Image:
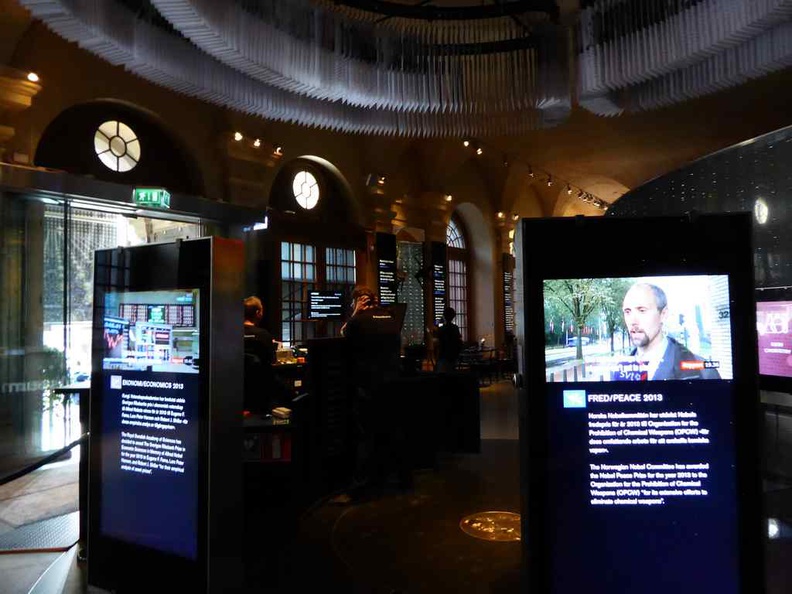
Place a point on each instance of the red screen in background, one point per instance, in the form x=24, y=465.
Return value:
x=775, y=338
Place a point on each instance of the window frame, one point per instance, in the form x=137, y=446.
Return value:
x=295, y=327
x=465, y=318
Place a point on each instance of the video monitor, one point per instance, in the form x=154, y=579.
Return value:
x=325, y=305
x=151, y=381
x=154, y=330
x=774, y=336
x=638, y=419
x=637, y=328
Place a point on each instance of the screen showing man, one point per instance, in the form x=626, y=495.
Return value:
x=637, y=328
x=640, y=457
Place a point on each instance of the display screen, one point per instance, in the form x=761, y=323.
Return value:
x=439, y=278
x=325, y=305
x=775, y=337
x=386, y=268
x=150, y=419
x=508, y=304
x=637, y=329
x=640, y=481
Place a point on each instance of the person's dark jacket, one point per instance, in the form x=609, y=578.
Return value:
x=670, y=367
x=263, y=390
x=449, y=344
x=258, y=341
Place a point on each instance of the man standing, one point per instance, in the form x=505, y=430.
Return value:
x=449, y=342
x=373, y=340
x=645, y=309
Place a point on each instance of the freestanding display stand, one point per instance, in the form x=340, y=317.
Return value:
x=640, y=411
x=165, y=492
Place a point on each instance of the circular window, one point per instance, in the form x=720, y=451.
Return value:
x=117, y=146
x=306, y=189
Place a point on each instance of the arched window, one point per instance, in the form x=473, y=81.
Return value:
x=319, y=246
x=454, y=236
x=458, y=271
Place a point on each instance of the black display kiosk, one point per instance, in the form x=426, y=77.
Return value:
x=640, y=415
x=165, y=480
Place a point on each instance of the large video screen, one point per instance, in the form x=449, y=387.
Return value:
x=639, y=410
x=637, y=328
x=150, y=419
x=775, y=337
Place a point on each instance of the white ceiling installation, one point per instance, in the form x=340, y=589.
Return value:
x=382, y=67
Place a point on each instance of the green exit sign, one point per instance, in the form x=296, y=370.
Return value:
x=151, y=197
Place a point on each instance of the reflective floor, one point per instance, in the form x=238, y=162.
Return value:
x=404, y=541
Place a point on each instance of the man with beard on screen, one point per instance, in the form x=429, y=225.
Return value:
x=645, y=310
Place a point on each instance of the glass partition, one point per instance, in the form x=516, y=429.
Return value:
x=46, y=287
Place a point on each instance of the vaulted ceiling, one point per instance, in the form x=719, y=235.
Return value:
x=593, y=96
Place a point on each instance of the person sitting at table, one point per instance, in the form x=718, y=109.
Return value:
x=263, y=390
x=256, y=335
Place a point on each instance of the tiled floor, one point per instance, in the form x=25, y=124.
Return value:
x=404, y=541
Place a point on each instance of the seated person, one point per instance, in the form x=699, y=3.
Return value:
x=263, y=390
x=258, y=337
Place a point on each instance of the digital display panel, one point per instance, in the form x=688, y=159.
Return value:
x=637, y=329
x=775, y=337
x=648, y=448
x=386, y=268
x=640, y=405
x=508, y=289
x=439, y=280
x=150, y=420
x=325, y=305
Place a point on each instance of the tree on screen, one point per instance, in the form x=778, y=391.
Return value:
x=580, y=298
x=616, y=289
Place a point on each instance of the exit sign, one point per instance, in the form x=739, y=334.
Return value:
x=151, y=197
